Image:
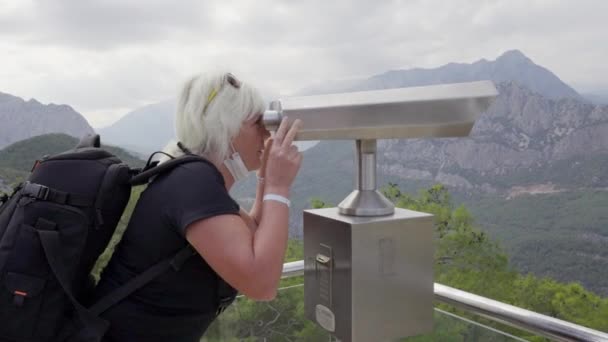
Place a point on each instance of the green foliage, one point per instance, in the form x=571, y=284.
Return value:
x=317, y=203
x=465, y=257
x=11, y=177
x=452, y=328
x=22, y=154
x=295, y=250
x=562, y=235
x=570, y=302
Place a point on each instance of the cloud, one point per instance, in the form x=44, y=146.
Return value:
x=100, y=24
x=102, y=56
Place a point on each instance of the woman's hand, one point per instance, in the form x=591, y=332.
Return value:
x=262, y=171
x=283, y=159
x=287, y=156
x=256, y=210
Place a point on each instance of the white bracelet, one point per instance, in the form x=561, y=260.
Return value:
x=278, y=198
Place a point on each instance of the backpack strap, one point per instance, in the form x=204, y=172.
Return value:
x=45, y=193
x=150, y=172
x=175, y=262
x=225, y=293
x=51, y=244
x=95, y=326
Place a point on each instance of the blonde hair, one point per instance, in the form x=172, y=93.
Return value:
x=209, y=115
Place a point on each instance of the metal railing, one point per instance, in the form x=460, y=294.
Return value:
x=536, y=323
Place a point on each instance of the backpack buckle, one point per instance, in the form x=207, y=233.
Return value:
x=36, y=190
x=19, y=298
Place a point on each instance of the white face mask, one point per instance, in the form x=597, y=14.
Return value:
x=236, y=165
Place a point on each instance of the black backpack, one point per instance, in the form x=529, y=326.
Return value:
x=52, y=230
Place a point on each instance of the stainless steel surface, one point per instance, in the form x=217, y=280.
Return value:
x=369, y=278
x=271, y=119
x=365, y=152
x=365, y=200
x=546, y=326
x=293, y=269
x=332, y=313
x=542, y=325
x=366, y=203
x=447, y=110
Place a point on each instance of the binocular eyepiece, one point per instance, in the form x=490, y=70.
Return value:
x=273, y=116
x=272, y=119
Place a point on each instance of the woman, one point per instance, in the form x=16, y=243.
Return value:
x=218, y=118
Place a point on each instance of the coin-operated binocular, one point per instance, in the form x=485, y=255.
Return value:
x=368, y=265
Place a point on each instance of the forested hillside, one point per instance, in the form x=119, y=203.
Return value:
x=560, y=235
x=16, y=160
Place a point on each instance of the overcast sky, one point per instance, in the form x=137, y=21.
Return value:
x=108, y=57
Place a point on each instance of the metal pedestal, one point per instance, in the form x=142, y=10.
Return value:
x=369, y=278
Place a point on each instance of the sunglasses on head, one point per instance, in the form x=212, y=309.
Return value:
x=228, y=78
x=232, y=80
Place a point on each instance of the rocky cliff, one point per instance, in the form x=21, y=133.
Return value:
x=522, y=137
x=20, y=119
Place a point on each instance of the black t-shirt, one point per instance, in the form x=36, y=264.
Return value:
x=177, y=306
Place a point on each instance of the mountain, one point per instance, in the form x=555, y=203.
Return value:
x=17, y=159
x=511, y=66
x=149, y=128
x=599, y=97
x=143, y=130
x=562, y=235
x=24, y=119
x=524, y=138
